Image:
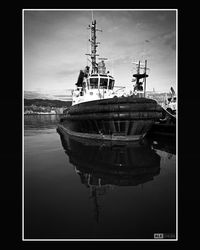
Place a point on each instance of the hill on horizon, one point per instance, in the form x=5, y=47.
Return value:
x=47, y=103
x=61, y=95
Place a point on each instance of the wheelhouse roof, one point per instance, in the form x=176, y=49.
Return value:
x=101, y=75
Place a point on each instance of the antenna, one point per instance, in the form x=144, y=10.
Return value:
x=139, y=76
x=142, y=65
x=145, y=70
x=94, y=45
x=92, y=16
x=87, y=48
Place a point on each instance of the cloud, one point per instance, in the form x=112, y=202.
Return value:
x=66, y=72
x=167, y=38
x=161, y=17
x=55, y=43
x=170, y=39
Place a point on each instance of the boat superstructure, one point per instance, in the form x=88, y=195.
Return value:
x=100, y=111
x=95, y=82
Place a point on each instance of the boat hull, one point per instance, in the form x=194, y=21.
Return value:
x=124, y=118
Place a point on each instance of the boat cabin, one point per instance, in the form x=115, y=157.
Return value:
x=99, y=81
x=93, y=85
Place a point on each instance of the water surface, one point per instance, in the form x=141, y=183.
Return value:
x=82, y=189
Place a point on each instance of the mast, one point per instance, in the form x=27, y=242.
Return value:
x=141, y=86
x=145, y=70
x=138, y=69
x=94, y=45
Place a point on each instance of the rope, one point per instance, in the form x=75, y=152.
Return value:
x=169, y=113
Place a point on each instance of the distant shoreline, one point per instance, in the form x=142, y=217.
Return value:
x=42, y=114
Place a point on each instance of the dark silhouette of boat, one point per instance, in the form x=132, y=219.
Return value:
x=123, y=163
x=166, y=126
x=102, y=165
x=163, y=129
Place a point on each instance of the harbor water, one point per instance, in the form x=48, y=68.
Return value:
x=76, y=189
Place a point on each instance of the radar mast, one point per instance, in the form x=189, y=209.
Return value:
x=94, y=45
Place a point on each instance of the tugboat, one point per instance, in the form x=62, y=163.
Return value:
x=99, y=111
x=170, y=104
x=166, y=126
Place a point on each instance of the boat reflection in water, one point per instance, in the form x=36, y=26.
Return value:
x=103, y=165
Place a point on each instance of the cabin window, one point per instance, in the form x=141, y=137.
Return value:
x=103, y=83
x=111, y=83
x=94, y=83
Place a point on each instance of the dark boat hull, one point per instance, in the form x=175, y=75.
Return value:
x=124, y=118
x=162, y=129
x=165, y=126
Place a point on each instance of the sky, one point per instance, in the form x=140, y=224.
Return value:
x=55, y=43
